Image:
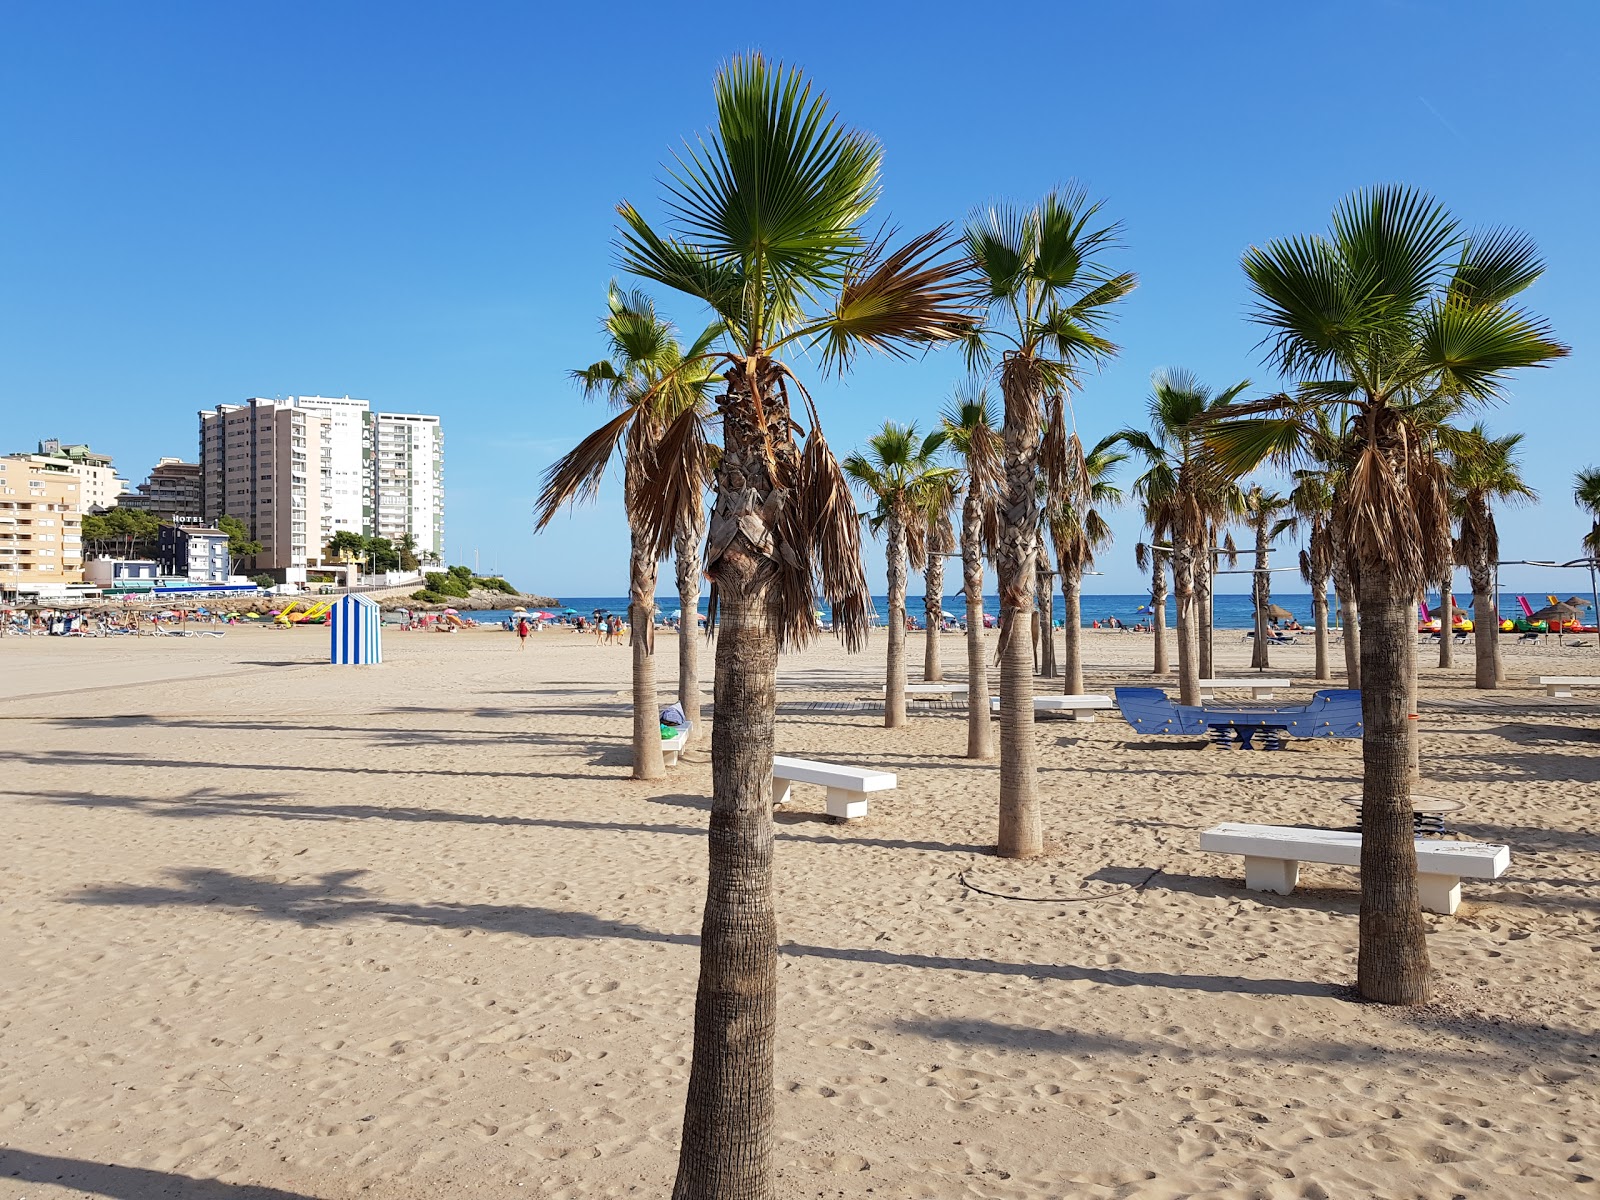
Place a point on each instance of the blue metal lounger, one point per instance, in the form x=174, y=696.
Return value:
x=1331, y=713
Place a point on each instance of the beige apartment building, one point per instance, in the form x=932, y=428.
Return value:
x=99, y=485
x=41, y=524
x=261, y=462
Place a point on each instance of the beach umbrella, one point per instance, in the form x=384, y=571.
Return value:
x=1276, y=612
x=1557, y=615
x=1577, y=602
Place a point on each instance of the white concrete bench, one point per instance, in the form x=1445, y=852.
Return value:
x=1079, y=708
x=1261, y=687
x=670, y=747
x=1562, y=685
x=847, y=786
x=1273, y=854
x=931, y=691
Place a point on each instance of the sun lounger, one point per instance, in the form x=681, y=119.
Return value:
x=1333, y=712
x=1562, y=685
x=1273, y=854
x=847, y=786
x=1261, y=687
x=1079, y=708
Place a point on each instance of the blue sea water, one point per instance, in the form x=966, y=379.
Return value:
x=1229, y=611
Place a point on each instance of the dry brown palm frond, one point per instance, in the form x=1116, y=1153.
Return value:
x=577, y=474
x=832, y=533
x=677, y=466
x=1374, y=515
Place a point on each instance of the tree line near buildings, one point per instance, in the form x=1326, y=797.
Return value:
x=1394, y=325
x=136, y=533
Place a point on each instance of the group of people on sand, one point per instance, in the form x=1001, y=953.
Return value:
x=1121, y=626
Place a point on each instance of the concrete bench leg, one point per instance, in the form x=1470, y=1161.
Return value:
x=846, y=806
x=1081, y=714
x=669, y=758
x=1439, y=893
x=1271, y=874
x=781, y=788
x=1261, y=693
x=1558, y=689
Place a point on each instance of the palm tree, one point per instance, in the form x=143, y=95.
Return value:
x=1078, y=532
x=1048, y=297
x=768, y=227
x=1485, y=472
x=940, y=541
x=1180, y=491
x=651, y=381
x=1394, y=306
x=899, y=471
x=969, y=428
x=1147, y=555
x=1263, y=511
x=1586, y=494
x=1311, y=503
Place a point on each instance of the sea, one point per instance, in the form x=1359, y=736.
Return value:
x=1230, y=611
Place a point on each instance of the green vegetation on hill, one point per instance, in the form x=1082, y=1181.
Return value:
x=457, y=584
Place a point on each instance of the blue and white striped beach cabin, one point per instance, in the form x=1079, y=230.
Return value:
x=356, y=631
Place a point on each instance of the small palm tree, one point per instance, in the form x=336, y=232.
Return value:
x=651, y=381
x=1149, y=556
x=1079, y=531
x=769, y=228
x=1395, y=306
x=1181, y=492
x=1586, y=494
x=1048, y=298
x=1311, y=505
x=900, y=471
x=1264, y=514
x=969, y=427
x=1485, y=472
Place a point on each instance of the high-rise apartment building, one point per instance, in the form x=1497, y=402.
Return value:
x=262, y=462
x=41, y=523
x=99, y=485
x=407, y=481
x=172, y=492
x=345, y=474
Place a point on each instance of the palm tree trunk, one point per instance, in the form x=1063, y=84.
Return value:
x=728, y=1118
x=1046, y=618
x=648, y=762
x=1485, y=630
x=1350, y=621
x=1414, y=741
x=1447, y=619
x=980, y=734
x=1261, y=591
x=894, y=692
x=1392, y=964
x=1158, y=612
x=1183, y=578
x=1200, y=608
x=1072, y=630
x=1319, y=624
x=1021, y=833
x=686, y=560
x=933, y=604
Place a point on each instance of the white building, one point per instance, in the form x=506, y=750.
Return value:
x=345, y=457
x=99, y=484
x=407, y=480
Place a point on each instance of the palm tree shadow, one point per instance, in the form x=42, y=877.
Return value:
x=128, y=1183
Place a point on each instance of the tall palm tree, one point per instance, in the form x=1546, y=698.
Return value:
x=768, y=226
x=1586, y=494
x=900, y=471
x=1181, y=486
x=1048, y=296
x=969, y=426
x=1078, y=531
x=651, y=381
x=1485, y=472
x=1225, y=504
x=1264, y=514
x=941, y=540
x=1395, y=303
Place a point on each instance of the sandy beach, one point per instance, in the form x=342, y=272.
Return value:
x=274, y=930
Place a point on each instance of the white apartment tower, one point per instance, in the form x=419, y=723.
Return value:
x=345, y=471
x=407, y=480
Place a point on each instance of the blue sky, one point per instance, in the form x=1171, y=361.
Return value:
x=414, y=204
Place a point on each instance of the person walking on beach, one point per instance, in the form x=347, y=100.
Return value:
x=522, y=634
